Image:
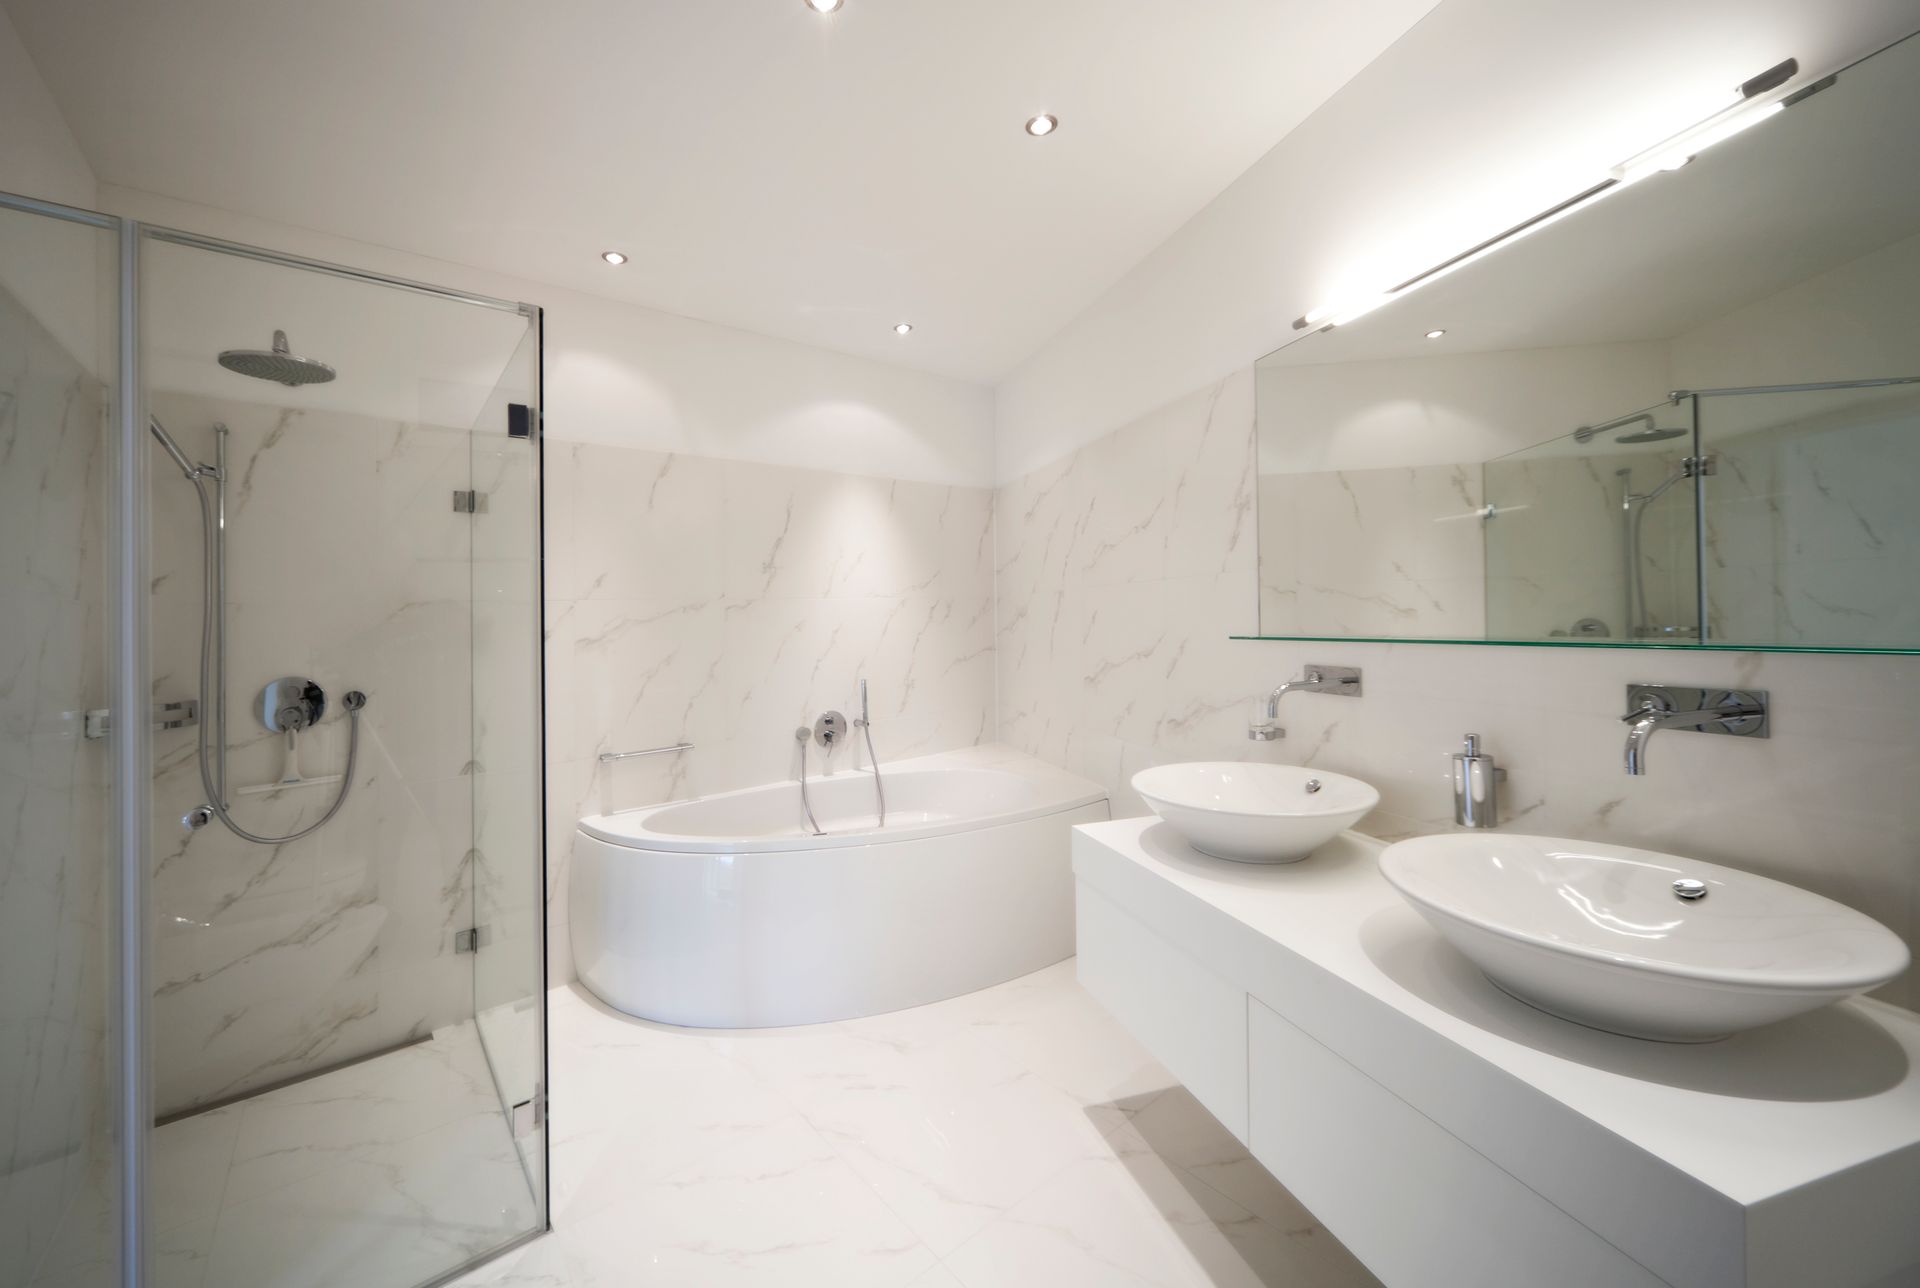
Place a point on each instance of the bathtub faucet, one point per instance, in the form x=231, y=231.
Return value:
x=865, y=726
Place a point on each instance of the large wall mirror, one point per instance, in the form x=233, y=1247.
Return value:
x=1687, y=413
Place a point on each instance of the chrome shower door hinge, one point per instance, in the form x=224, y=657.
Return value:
x=528, y=1116
x=471, y=940
x=469, y=502
x=166, y=715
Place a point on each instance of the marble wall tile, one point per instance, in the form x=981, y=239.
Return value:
x=726, y=602
x=1111, y=678
x=347, y=564
x=1373, y=552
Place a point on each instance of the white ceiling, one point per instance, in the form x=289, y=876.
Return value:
x=1822, y=184
x=816, y=178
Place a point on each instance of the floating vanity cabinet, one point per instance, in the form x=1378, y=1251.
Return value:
x=1453, y=1137
x=1196, y=1019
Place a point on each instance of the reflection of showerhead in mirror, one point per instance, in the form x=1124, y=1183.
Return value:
x=1651, y=436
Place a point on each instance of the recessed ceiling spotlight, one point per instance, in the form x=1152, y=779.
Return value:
x=1042, y=125
x=824, y=6
x=613, y=257
x=1436, y=333
x=903, y=328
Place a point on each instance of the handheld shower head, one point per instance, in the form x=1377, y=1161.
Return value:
x=279, y=364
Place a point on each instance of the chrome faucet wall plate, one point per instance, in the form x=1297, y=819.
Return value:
x=1741, y=713
x=1341, y=681
x=1673, y=697
x=829, y=729
x=292, y=703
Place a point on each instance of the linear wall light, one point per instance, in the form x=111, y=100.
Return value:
x=1762, y=97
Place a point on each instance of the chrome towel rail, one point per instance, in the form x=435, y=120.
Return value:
x=607, y=757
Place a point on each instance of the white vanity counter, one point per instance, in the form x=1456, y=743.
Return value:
x=1452, y=1135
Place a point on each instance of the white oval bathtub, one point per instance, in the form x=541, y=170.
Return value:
x=726, y=912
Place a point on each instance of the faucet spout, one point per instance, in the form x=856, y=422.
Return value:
x=1342, y=680
x=1650, y=718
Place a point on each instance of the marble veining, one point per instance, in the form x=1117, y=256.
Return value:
x=724, y=602
x=272, y=962
x=1008, y=1138
x=1107, y=666
x=381, y=1174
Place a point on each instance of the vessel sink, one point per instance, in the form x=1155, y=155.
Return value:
x=1254, y=813
x=1637, y=942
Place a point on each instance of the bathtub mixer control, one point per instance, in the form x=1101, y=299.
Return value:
x=829, y=729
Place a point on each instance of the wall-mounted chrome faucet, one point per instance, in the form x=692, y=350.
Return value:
x=1741, y=713
x=1341, y=680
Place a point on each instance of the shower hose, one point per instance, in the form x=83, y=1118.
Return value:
x=353, y=701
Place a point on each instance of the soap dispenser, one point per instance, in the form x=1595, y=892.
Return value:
x=1476, y=786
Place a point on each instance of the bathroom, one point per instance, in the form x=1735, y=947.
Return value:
x=866, y=679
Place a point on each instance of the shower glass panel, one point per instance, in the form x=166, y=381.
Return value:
x=345, y=1016
x=1811, y=535
x=509, y=895
x=60, y=1170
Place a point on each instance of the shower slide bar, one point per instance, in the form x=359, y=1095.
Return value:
x=608, y=757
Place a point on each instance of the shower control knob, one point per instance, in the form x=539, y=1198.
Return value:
x=292, y=703
x=829, y=729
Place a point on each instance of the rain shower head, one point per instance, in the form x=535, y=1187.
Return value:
x=278, y=364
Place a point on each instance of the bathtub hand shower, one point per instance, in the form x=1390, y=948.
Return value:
x=865, y=725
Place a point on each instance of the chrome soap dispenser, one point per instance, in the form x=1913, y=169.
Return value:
x=1476, y=786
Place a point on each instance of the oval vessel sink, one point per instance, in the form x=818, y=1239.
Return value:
x=1638, y=942
x=1254, y=813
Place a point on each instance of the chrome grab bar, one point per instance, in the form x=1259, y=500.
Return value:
x=608, y=757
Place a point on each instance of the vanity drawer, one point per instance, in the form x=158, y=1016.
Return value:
x=1191, y=1019
x=1420, y=1208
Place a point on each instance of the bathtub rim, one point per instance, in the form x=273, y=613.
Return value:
x=625, y=829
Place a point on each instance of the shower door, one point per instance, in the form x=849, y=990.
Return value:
x=61, y=1081
x=346, y=847
x=509, y=895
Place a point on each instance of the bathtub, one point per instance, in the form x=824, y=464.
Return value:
x=725, y=912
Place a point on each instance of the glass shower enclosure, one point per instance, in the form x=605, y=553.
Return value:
x=272, y=961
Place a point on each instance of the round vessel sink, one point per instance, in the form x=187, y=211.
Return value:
x=1254, y=813
x=1637, y=942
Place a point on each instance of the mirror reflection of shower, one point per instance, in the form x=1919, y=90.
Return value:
x=1633, y=514
x=289, y=706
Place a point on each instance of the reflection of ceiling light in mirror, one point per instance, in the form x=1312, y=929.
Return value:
x=903, y=328
x=1436, y=333
x=613, y=257
x=1042, y=125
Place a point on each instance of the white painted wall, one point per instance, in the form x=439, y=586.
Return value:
x=626, y=376
x=54, y=274
x=38, y=154
x=1487, y=111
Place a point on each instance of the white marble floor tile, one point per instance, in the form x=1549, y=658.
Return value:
x=384, y=1174
x=1016, y=1134
x=779, y=1208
